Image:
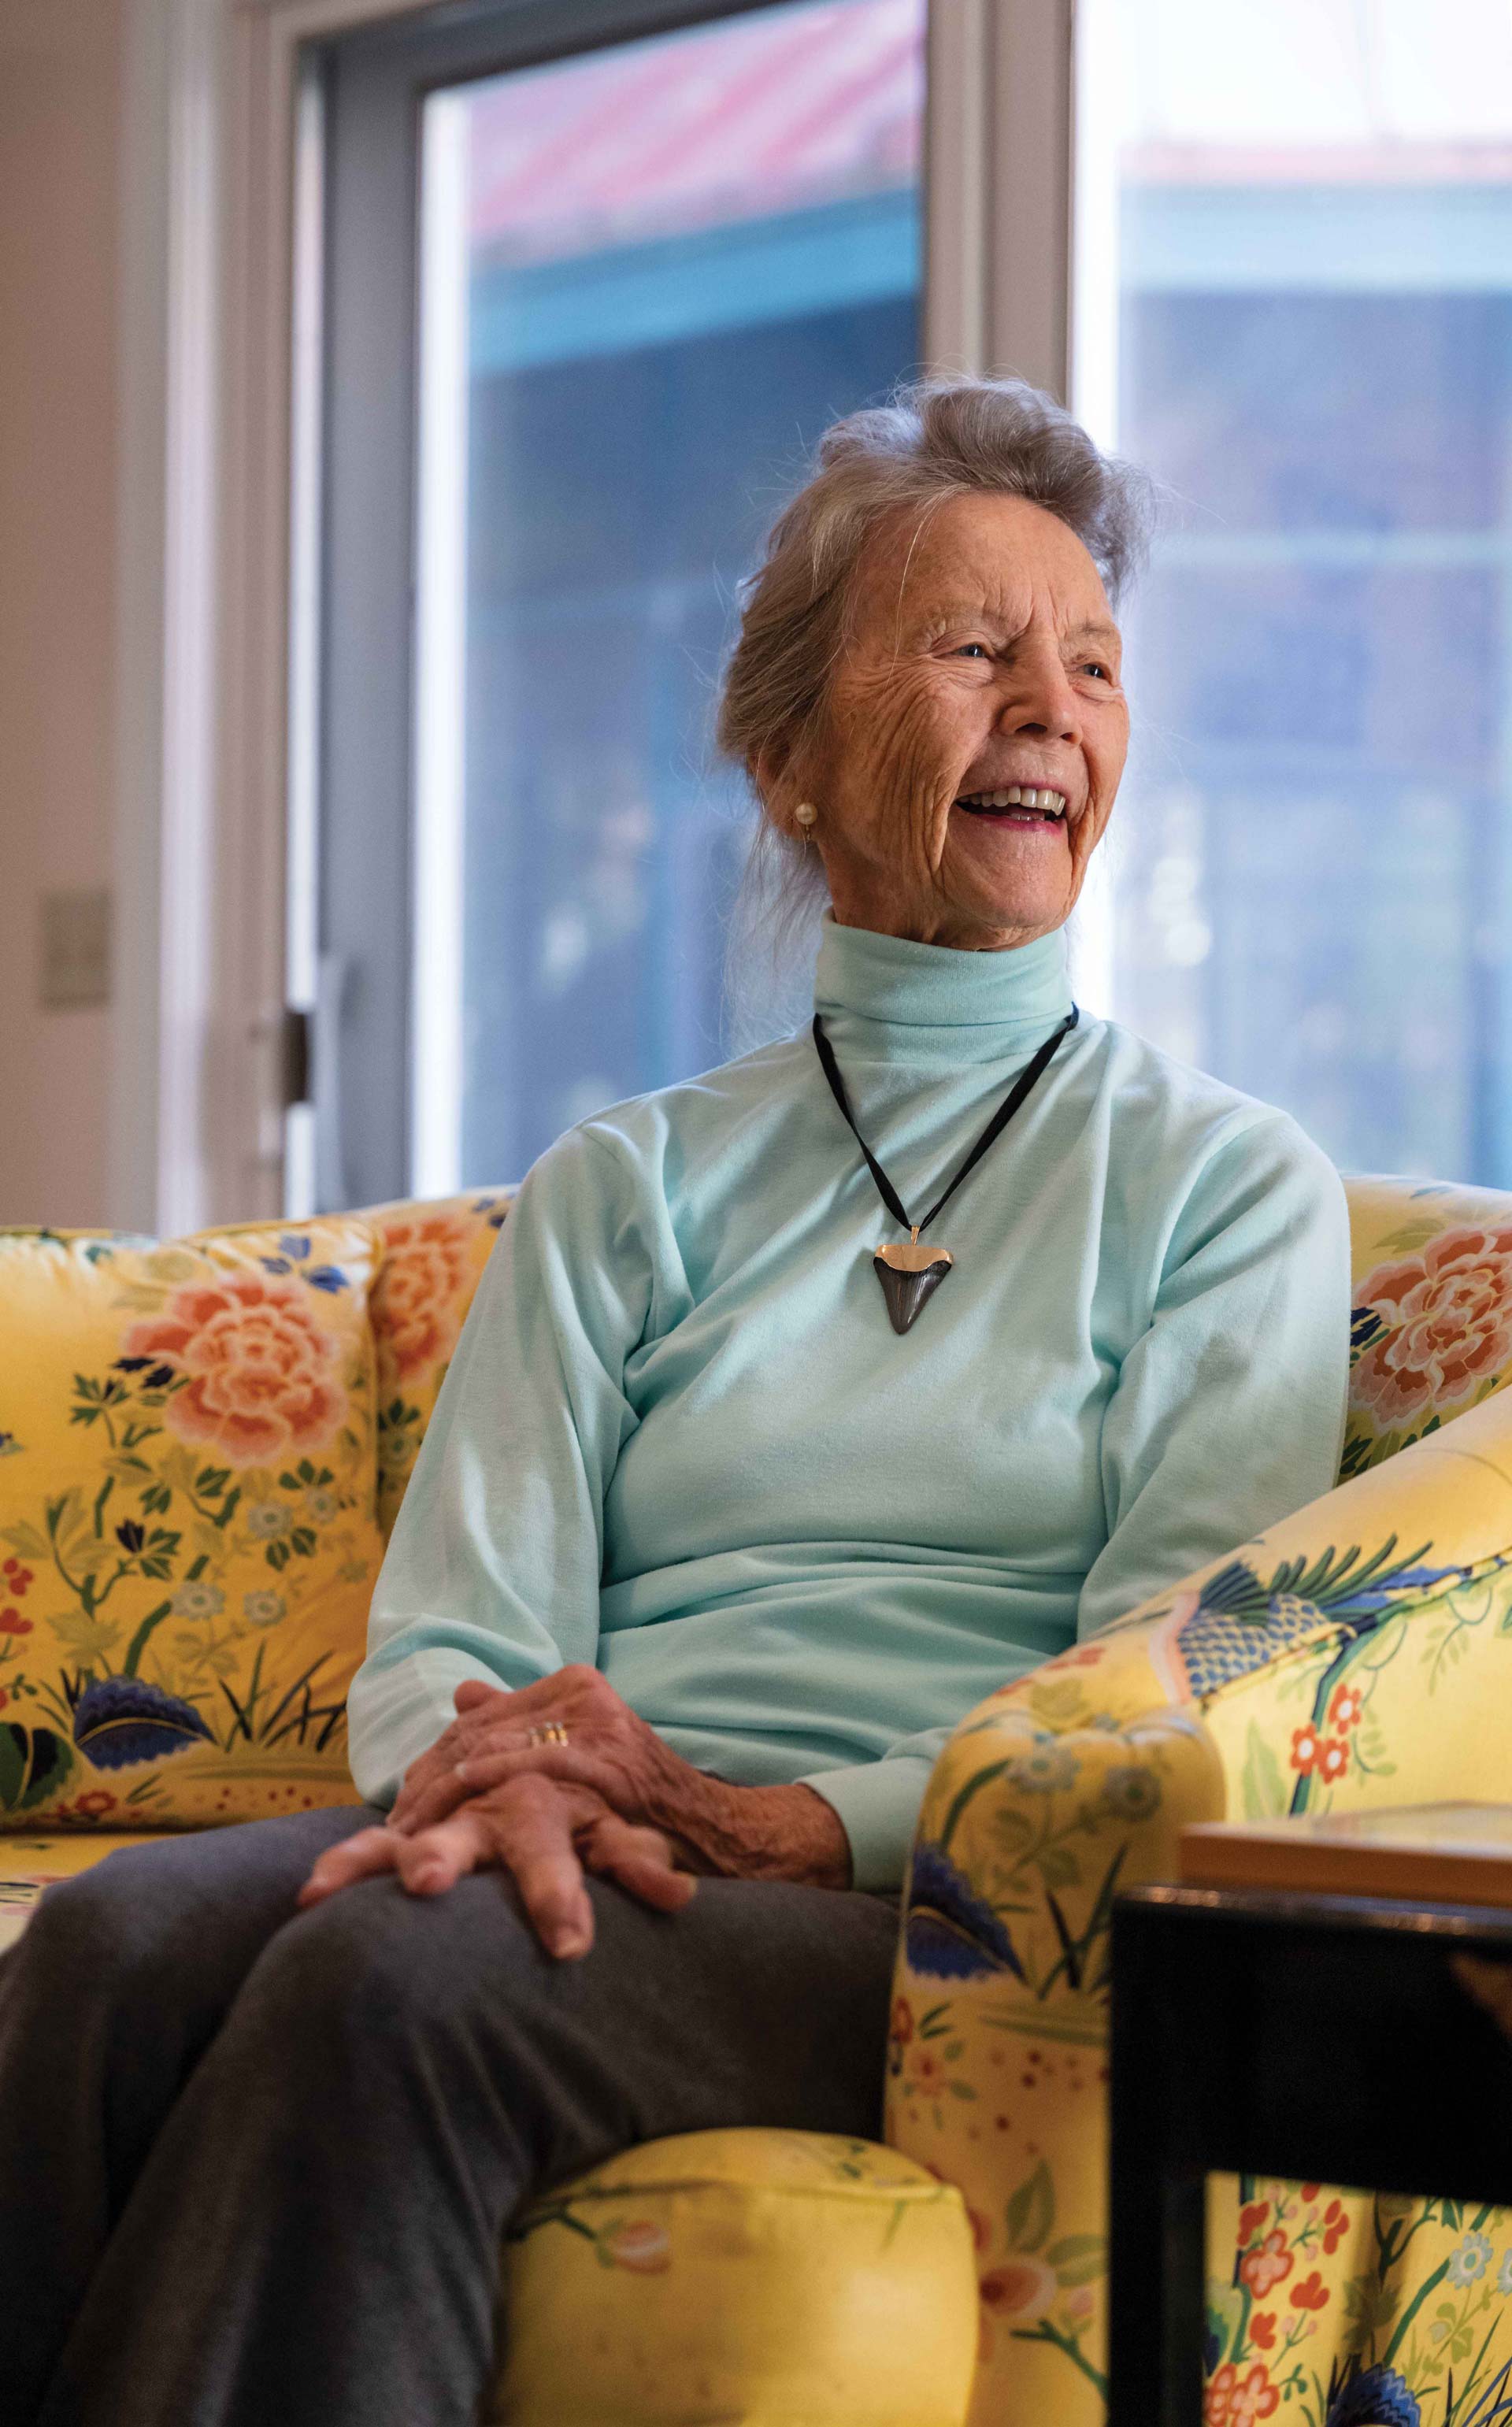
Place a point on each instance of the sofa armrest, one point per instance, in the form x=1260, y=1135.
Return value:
x=1359, y=1651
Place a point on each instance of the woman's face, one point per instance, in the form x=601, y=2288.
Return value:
x=983, y=655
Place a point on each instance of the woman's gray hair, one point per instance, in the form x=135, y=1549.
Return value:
x=934, y=439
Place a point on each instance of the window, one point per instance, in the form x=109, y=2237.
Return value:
x=1294, y=305
x=642, y=276
x=592, y=284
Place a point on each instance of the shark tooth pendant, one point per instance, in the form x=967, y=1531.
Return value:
x=910, y=1277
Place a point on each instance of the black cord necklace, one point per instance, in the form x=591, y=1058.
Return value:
x=910, y=1275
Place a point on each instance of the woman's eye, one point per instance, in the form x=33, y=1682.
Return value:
x=1092, y=667
x=967, y=646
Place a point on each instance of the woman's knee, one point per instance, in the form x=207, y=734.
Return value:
x=185, y=1916
x=374, y=1962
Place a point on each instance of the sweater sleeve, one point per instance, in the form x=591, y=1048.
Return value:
x=1229, y=1412
x=495, y=1563
x=878, y=1804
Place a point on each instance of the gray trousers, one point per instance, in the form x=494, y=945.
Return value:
x=255, y=2164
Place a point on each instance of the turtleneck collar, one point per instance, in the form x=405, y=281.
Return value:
x=908, y=985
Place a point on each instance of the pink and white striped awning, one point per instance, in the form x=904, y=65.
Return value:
x=801, y=105
x=776, y=112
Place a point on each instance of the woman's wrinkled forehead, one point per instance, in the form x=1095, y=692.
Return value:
x=980, y=553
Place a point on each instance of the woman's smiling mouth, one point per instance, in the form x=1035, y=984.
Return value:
x=1016, y=805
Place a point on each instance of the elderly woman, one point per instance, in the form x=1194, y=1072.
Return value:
x=800, y=1405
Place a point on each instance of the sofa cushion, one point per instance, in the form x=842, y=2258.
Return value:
x=434, y=1254
x=187, y=1527
x=774, y=2277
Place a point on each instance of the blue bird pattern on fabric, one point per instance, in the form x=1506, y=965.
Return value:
x=1376, y=2398
x=1241, y=1621
x=119, y=1721
x=952, y=1934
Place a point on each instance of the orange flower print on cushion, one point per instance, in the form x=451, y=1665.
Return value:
x=1345, y=1709
x=1021, y=2289
x=433, y=1258
x=260, y=1374
x=88, y=1810
x=640, y=2244
x=1238, y=2398
x=1262, y=2269
x=1320, y=1756
x=1333, y=1759
x=1435, y=1329
x=1335, y=2227
x=900, y=2032
x=415, y=1312
x=1311, y=2293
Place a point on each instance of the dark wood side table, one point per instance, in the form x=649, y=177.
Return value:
x=1318, y=2038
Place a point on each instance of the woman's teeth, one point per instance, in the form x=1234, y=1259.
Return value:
x=1018, y=796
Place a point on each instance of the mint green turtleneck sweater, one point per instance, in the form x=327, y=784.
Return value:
x=680, y=1439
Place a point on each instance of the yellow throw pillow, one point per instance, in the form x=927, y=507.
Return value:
x=188, y=1522
x=434, y=1255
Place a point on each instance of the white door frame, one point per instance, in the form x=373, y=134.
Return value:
x=208, y=291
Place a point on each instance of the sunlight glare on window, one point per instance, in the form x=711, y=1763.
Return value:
x=1293, y=304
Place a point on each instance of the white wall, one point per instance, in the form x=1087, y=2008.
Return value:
x=60, y=91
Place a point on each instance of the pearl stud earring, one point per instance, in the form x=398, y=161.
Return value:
x=805, y=813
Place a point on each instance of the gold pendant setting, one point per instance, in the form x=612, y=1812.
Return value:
x=910, y=1275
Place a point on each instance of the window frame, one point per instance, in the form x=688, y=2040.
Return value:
x=215, y=581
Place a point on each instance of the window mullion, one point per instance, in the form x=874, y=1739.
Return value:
x=1027, y=170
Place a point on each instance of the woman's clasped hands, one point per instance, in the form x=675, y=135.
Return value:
x=603, y=1793
x=493, y=1790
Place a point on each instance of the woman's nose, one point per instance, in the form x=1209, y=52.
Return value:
x=1042, y=699
x=1050, y=710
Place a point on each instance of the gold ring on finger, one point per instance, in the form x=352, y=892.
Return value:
x=552, y=1733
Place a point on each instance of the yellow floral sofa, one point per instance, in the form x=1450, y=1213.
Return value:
x=201, y=1446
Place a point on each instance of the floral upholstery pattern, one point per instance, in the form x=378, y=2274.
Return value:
x=1359, y=1652
x=1433, y=1311
x=432, y=1259
x=1363, y=2311
x=188, y=1540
